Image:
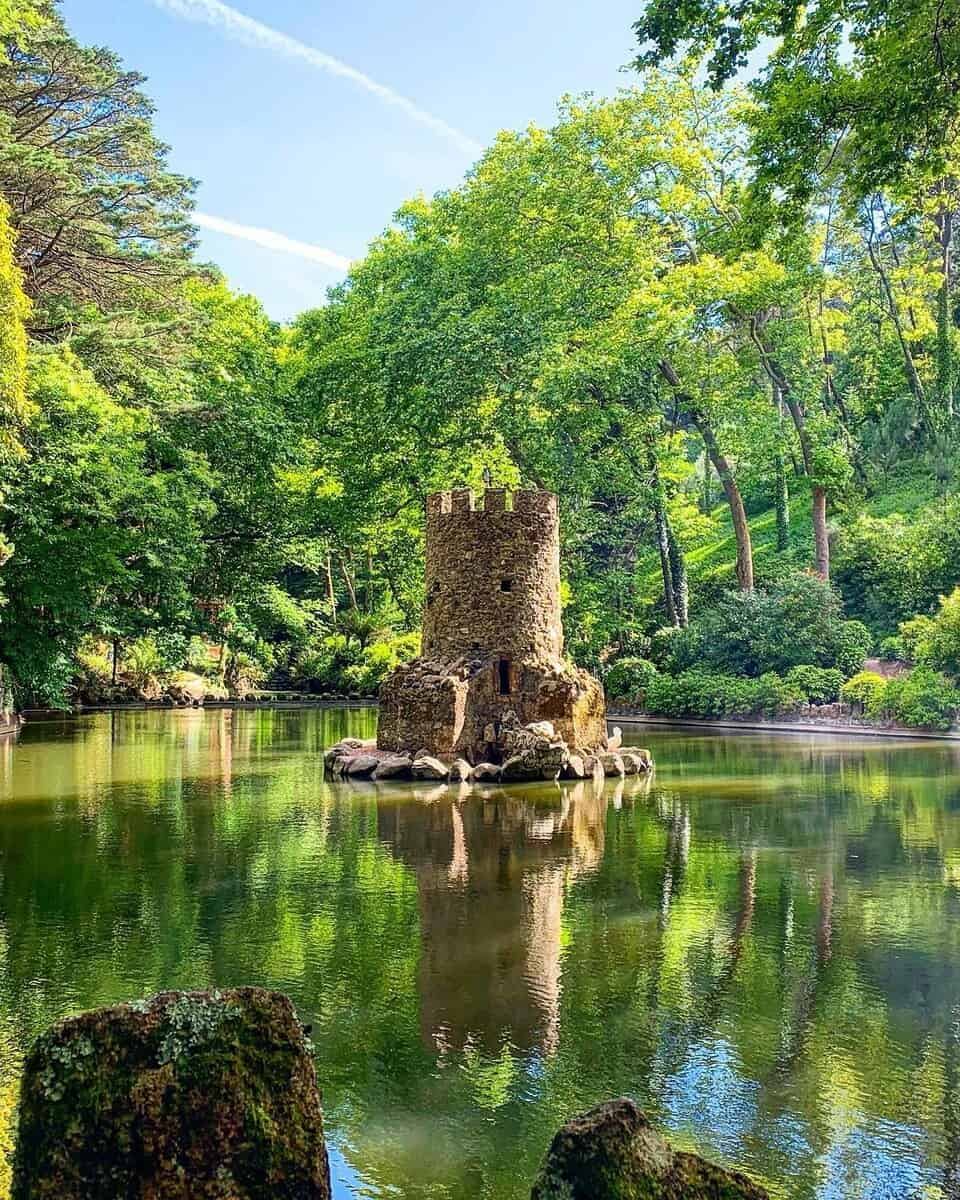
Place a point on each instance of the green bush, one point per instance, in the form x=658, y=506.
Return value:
x=894, y=649
x=924, y=699
x=852, y=645
x=707, y=694
x=628, y=679
x=935, y=641
x=817, y=685
x=868, y=690
x=796, y=622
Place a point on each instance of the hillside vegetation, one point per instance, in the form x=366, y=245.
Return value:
x=720, y=322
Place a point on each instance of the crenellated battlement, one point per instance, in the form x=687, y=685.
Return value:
x=491, y=500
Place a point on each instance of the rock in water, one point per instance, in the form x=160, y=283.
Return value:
x=460, y=771
x=614, y=1153
x=428, y=767
x=200, y=1094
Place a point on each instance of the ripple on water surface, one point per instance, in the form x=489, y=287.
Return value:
x=761, y=944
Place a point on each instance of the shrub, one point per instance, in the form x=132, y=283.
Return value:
x=890, y=567
x=853, y=642
x=143, y=661
x=797, y=622
x=708, y=694
x=868, y=690
x=628, y=679
x=924, y=699
x=894, y=649
x=816, y=685
x=935, y=641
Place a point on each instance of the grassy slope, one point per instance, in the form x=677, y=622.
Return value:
x=710, y=561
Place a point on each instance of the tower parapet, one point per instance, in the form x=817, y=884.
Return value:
x=493, y=575
x=492, y=633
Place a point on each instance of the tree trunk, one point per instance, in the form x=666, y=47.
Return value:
x=663, y=546
x=821, y=540
x=116, y=661
x=678, y=573
x=738, y=514
x=783, y=505
x=706, y=503
x=331, y=594
x=945, y=320
x=351, y=590
x=913, y=377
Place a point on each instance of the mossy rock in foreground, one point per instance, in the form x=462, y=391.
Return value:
x=192, y=1095
x=614, y=1153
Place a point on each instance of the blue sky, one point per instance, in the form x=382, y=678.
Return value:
x=281, y=142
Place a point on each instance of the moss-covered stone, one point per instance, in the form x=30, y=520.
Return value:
x=614, y=1153
x=188, y=1095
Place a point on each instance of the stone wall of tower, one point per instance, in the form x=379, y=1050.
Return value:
x=492, y=635
x=493, y=576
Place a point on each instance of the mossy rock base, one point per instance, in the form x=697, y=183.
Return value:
x=614, y=1153
x=192, y=1095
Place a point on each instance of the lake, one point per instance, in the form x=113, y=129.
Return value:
x=761, y=944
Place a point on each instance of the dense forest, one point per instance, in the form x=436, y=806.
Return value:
x=719, y=319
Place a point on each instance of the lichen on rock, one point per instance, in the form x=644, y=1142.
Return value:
x=201, y=1094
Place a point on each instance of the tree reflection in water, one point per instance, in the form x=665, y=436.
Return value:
x=762, y=944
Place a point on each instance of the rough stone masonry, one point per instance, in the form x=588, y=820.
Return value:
x=492, y=656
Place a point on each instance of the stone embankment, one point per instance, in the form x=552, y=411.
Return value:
x=213, y=1096
x=530, y=752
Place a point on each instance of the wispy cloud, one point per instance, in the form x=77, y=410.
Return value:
x=254, y=33
x=272, y=241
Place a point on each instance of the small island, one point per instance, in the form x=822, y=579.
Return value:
x=491, y=697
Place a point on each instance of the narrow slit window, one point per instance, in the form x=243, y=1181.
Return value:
x=503, y=676
x=506, y=585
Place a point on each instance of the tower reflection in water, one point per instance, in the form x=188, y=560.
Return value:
x=492, y=869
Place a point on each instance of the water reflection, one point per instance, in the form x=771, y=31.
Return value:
x=762, y=943
x=492, y=869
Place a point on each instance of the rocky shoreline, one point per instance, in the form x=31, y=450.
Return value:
x=529, y=752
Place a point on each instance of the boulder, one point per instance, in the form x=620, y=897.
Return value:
x=532, y=751
x=396, y=766
x=631, y=764
x=202, y=1094
x=428, y=767
x=645, y=758
x=594, y=769
x=612, y=764
x=486, y=773
x=341, y=748
x=187, y=689
x=575, y=768
x=361, y=766
x=614, y=1153
x=460, y=771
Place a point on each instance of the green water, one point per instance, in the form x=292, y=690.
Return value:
x=763, y=946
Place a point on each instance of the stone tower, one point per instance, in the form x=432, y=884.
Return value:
x=492, y=634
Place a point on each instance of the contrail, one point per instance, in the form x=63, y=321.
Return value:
x=253, y=33
x=271, y=240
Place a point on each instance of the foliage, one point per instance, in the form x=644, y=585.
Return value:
x=889, y=568
x=102, y=225
x=924, y=699
x=866, y=689
x=628, y=679
x=797, y=622
x=706, y=694
x=935, y=641
x=817, y=685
